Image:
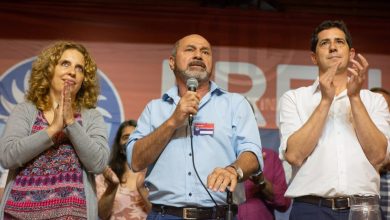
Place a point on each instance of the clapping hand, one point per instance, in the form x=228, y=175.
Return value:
x=357, y=75
x=63, y=111
x=68, y=114
x=327, y=87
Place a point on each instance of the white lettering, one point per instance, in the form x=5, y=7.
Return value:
x=259, y=83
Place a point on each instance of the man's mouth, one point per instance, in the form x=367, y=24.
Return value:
x=334, y=56
x=197, y=63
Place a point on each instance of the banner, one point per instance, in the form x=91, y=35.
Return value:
x=133, y=74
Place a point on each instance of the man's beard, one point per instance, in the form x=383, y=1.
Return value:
x=201, y=76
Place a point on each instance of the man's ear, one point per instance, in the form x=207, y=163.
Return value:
x=172, y=62
x=352, y=53
x=313, y=58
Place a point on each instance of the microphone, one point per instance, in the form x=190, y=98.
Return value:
x=192, y=85
x=229, y=200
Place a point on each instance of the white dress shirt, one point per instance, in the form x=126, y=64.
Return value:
x=337, y=166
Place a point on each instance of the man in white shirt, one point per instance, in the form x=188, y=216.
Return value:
x=333, y=132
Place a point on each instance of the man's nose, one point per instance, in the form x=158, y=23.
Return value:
x=332, y=47
x=198, y=54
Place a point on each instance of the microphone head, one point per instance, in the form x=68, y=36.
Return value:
x=192, y=84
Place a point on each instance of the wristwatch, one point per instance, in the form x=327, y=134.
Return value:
x=240, y=174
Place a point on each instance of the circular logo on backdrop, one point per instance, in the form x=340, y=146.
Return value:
x=14, y=83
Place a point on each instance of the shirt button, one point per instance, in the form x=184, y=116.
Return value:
x=190, y=194
x=189, y=173
x=190, y=154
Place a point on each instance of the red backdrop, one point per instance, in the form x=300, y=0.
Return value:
x=130, y=44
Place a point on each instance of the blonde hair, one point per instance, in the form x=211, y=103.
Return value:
x=43, y=70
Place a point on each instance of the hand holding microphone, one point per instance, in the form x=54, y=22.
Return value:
x=192, y=85
x=187, y=106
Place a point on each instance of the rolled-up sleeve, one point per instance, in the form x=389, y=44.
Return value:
x=247, y=136
x=289, y=120
x=143, y=128
x=380, y=115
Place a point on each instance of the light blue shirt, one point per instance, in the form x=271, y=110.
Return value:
x=172, y=179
